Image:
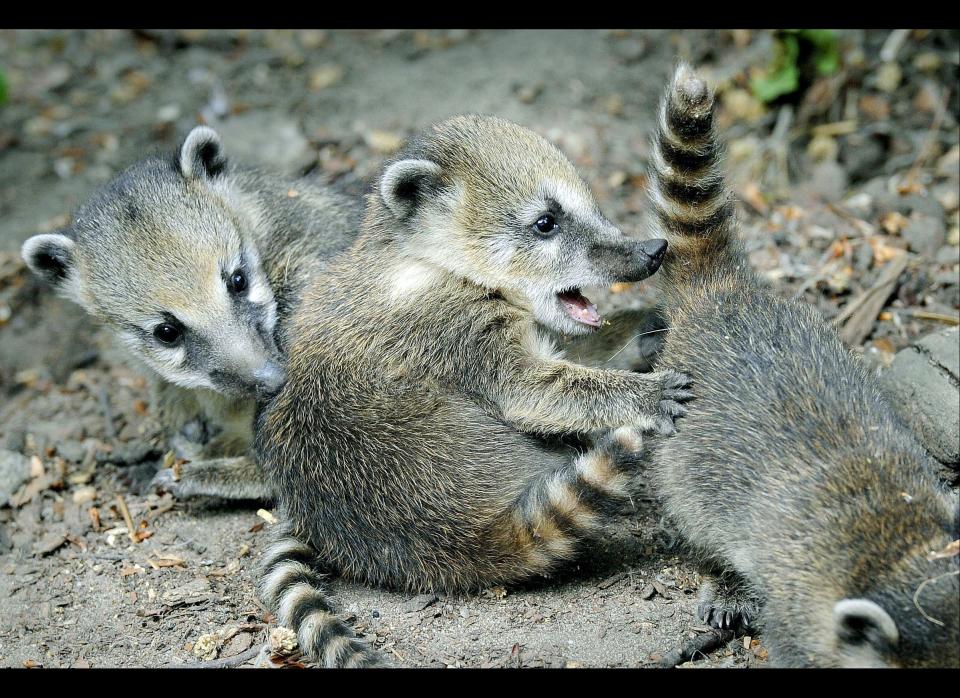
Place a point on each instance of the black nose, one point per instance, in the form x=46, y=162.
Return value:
x=655, y=249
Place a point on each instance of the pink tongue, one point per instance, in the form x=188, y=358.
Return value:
x=580, y=308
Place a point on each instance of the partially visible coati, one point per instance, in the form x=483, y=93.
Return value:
x=195, y=265
x=422, y=439
x=819, y=515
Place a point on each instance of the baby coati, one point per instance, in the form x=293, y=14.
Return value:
x=423, y=437
x=819, y=515
x=195, y=265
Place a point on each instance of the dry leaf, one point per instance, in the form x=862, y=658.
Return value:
x=893, y=222
x=754, y=197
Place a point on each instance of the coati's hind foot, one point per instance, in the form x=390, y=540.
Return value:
x=229, y=478
x=727, y=605
x=292, y=588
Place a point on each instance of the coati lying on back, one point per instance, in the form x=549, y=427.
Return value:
x=195, y=265
x=791, y=479
x=418, y=440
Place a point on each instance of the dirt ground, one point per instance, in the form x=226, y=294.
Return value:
x=851, y=174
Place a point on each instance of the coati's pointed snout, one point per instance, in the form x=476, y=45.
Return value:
x=654, y=249
x=646, y=258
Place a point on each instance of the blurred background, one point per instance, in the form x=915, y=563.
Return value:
x=842, y=148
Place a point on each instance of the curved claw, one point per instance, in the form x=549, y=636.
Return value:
x=165, y=481
x=672, y=408
x=678, y=395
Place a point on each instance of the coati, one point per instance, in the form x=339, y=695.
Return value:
x=423, y=437
x=195, y=265
x=818, y=515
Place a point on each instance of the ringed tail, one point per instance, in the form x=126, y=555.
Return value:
x=687, y=188
x=292, y=588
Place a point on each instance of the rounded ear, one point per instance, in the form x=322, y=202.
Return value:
x=49, y=256
x=201, y=154
x=861, y=620
x=404, y=182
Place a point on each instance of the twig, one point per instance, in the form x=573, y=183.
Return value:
x=862, y=311
x=707, y=642
x=226, y=662
x=927, y=315
x=127, y=519
x=926, y=149
x=107, y=414
x=891, y=47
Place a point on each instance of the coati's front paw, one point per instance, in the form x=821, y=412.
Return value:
x=673, y=392
x=166, y=480
x=727, y=608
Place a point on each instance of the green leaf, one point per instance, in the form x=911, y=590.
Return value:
x=782, y=77
x=826, y=49
x=3, y=88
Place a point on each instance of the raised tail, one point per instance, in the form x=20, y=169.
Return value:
x=687, y=187
x=292, y=589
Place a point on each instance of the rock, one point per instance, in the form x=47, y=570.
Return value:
x=196, y=591
x=130, y=453
x=241, y=642
x=14, y=472
x=926, y=205
x=71, y=450
x=828, y=182
x=922, y=384
x=925, y=234
x=948, y=254
x=863, y=156
x=326, y=76
x=83, y=495
x=267, y=139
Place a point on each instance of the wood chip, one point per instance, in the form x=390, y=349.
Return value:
x=610, y=581
x=266, y=516
x=131, y=529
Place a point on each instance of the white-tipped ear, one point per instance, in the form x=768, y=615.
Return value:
x=861, y=620
x=403, y=182
x=201, y=154
x=49, y=256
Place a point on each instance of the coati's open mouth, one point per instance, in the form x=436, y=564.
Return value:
x=579, y=307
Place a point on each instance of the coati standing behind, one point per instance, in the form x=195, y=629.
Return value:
x=417, y=442
x=790, y=477
x=195, y=265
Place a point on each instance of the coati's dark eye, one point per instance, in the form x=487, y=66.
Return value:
x=167, y=333
x=546, y=225
x=237, y=282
